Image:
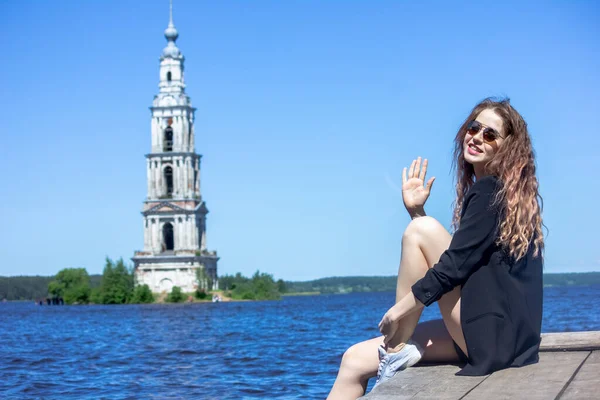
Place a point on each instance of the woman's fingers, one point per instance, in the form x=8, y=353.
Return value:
x=411, y=171
x=423, y=170
x=416, y=170
x=429, y=183
x=417, y=167
x=382, y=326
x=388, y=336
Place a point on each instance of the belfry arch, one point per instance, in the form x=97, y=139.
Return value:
x=168, y=238
x=168, y=139
x=169, y=180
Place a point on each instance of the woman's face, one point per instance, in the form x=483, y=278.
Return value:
x=483, y=140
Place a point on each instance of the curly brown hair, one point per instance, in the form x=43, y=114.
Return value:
x=514, y=164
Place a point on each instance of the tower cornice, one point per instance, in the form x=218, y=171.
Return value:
x=152, y=108
x=148, y=259
x=174, y=154
x=168, y=208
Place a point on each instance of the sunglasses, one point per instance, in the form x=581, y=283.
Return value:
x=489, y=134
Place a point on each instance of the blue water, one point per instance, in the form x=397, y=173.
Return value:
x=246, y=350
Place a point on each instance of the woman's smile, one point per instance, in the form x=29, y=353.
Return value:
x=474, y=150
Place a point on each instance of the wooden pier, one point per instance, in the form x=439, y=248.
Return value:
x=569, y=368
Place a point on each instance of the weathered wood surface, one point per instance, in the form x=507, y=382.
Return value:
x=544, y=380
x=585, y=384
x=568, y=369
x=426, y=382
x=569, y=341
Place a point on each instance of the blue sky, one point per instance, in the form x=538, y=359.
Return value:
x=307, y=111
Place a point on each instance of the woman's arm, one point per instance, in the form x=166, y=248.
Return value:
x=476, y=234
x=473, y=239
x=389, y=323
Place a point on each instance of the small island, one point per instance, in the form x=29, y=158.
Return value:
x=117, y=285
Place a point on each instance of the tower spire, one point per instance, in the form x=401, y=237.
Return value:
x=171, y=35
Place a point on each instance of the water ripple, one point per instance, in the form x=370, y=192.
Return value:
x=289, y=349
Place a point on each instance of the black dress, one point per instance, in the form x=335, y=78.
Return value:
x=501, y=300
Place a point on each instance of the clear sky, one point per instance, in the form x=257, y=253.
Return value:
x=307, y=111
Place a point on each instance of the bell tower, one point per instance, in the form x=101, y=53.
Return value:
x=174, y=212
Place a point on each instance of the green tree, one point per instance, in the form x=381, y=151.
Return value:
x=24, y=287
x=141, y=295
x=264, y=286
x=117, y=283
x=260, y=287
x=230, y=282
x=72, y=284
x=96, y=296
x=176, y=295
x=281, y=286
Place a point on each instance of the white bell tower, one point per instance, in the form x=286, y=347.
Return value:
x=174, y=212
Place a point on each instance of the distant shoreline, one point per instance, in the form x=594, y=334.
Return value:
x=30, y=288
x=295, y=294
x=353, y=284
x=300, y=294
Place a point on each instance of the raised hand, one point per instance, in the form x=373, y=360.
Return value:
x=414, y=191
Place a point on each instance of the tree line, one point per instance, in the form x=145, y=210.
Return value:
x=261, y=286
x=115, y=285
x=350, y=284
x=344, y=284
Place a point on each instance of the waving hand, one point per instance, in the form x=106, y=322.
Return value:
x=414, y=191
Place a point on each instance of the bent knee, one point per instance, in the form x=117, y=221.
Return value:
x=351, y=356
x=424, y=227
x=357, y=362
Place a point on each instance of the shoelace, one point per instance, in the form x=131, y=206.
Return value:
x=382, y=362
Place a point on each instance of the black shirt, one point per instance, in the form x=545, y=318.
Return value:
x=501, y=300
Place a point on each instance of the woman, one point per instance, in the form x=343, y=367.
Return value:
x=486, y=279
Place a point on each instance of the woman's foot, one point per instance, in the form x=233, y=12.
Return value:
x=392, y=363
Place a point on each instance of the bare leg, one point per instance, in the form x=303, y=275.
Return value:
x=436, y=341
x=359, y=363
x=423, y=243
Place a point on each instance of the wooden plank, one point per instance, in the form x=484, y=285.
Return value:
x=570, y=341
x=543, y=380
x=425, y=382
x=585, y=385
x=563, y=354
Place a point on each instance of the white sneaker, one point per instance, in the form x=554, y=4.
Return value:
x=392, y=363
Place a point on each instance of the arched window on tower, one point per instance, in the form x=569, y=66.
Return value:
x=168, y=139
x=168, y=240
x=169, y=180
x=169, y=76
